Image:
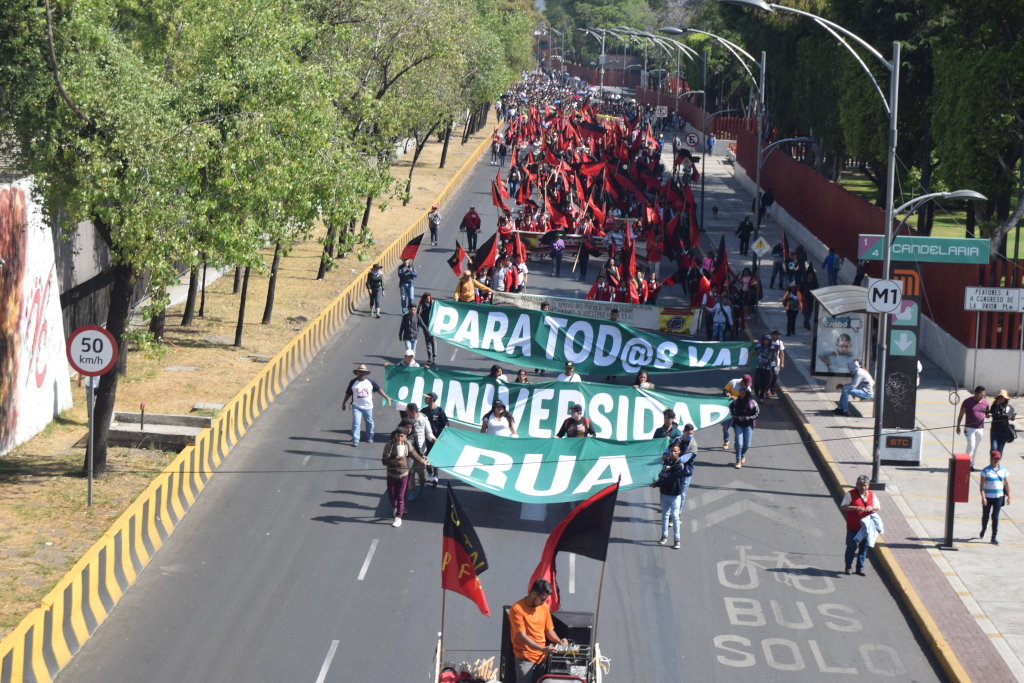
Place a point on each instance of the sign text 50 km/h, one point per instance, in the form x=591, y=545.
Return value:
x=92, y=350
x=884, y=296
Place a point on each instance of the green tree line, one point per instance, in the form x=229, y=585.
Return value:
x=206, y=131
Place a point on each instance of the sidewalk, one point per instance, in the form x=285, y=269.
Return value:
x=971, y=594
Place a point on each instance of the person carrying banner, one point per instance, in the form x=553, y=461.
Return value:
x=576, y=424
x=498, y=421
x=669, y=429
x=395, y=458
x=465, y=289
x=361, y=391
x=673, y=481
x=532, y=628
x=435, y=414
x=732, y=390
x=408, y=330
x=570, y=373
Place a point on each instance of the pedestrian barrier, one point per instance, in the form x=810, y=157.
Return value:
x=46, y=640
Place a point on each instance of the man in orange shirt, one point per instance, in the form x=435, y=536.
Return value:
x=532, y=628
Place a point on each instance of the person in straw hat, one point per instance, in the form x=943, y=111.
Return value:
x=1002, y=413
x=361, y=391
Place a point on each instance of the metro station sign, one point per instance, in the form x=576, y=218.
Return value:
x=926, y=249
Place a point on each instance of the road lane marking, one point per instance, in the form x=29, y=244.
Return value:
x=305, y=460
x=534, y=512
x=327, y=662
x=572, y=572
x=366, y=562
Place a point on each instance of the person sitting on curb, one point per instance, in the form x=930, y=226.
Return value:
x=860, y=385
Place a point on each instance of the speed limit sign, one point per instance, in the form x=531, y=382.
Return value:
x=92, y=351
x=692, y=139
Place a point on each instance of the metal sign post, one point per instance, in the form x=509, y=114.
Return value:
x=994, y=300
x=91, y=351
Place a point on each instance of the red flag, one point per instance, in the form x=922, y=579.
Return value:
x=721, y=268
x=557, y=217
x=411, y=248
x=584, y=531
x=703, y=288
x=462, y=556
x=501, y=186
x=456, y=259
x=496, y=198
x=485, y=255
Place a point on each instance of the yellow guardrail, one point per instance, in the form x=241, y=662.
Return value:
x=46, y=640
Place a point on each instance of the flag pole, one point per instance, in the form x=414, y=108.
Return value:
x=440, y=655
x=597, y=612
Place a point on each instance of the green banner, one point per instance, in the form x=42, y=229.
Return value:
x=546, y=470
x=537, y=339
x=926, y=249
x=618, y=413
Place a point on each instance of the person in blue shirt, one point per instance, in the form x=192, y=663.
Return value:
x=995, y=493
x=406, y=279
x=832, y=265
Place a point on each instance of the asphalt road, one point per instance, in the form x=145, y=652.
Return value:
x=290, y=548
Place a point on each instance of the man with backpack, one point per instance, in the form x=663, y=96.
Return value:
x=576, y=424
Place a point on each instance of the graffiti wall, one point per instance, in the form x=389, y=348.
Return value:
x=34, y=381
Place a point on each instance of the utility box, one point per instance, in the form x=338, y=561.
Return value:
x=900, y=447
x=961, y=463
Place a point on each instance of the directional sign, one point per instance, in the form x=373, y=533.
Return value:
x=92, y=350
x=661, y=112
x=692, y=139
x=926, y=249
x=992, y=299
x=761, y=246
x=902, y=343
x=884, y=296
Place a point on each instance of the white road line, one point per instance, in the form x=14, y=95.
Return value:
x=366, y=562
x=454, y=351
x=327, y=662
x=572, y=572
x=534, y=512
x=305, y=460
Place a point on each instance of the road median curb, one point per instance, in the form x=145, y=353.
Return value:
x=49, y=636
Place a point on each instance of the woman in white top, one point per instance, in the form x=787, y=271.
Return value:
x=498, y=422
x=497, y=374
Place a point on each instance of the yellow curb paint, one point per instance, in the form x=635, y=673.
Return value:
x=169, y=496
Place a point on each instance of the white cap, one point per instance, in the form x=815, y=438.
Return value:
x=410, y=353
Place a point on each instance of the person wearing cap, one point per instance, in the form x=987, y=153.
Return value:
x=375, y=286
x=860, y=385
x=576, y=424
x=471, y=224
x=766, y=358
x=995, y=493
x=858, y=503
x=434, y=413
x=498, y=421
x=396, y=455
x=1002, y=415
x=732, y=390
x=406, y=287
x=570, y=373
x=361, y=391
x=434, y=222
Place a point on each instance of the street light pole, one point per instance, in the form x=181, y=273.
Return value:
x=760, y=143
x=704, y=132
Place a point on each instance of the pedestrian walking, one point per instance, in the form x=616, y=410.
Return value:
x=860, y=385
x=408, y=330
x=557, y=247
x=743, y=232
x=673, y=482
x=406, y=278
x=395, y=458
x=471, y=224
x=858, y=503
x=465, y=289
x=524, y=273
x=721, y=317
x=744, y=411
x=778, y=266
x=732, y=390
x=498, y=421
x=434, y=413
x=995, y=493
x=434, y=223
x=502, y=153
x=766, y=358
x=422, y=439
x=809, y=284
x=494, y=151
x=832, y=264
x=375, y=286
x=360, y=391
x=1002, y=414
x=780, y=362
x=669, y=429
x=576, y=424
x=974, y=409
x=791, y=301
x=423, y=311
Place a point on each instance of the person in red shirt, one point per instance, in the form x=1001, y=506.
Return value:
x=532, y=628
x=858, y=503
x=653, y=287
x=471, y=224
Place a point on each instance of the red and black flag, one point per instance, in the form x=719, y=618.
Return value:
x=411, y=248
x=456, y=259
x=721, y=268
x=584, y=531
x=485, y=255
x=501, y=186
x=591, y=130
x=462, y=556
x=496, y=198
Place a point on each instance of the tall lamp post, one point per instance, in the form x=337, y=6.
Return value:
x=600, y=59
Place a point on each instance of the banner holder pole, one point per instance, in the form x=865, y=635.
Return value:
x=440, y=654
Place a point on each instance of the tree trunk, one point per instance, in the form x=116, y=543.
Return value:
x=202, y=296
x=117, y=325
x=190, y=300
x=924, y=215
x=241, y=308
x=469, y=127
x=328, y=253
x=366, y=213
x=420, y=144
x=268, y=310
x=444, y=150
x=157, y=324
x=238, y=280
